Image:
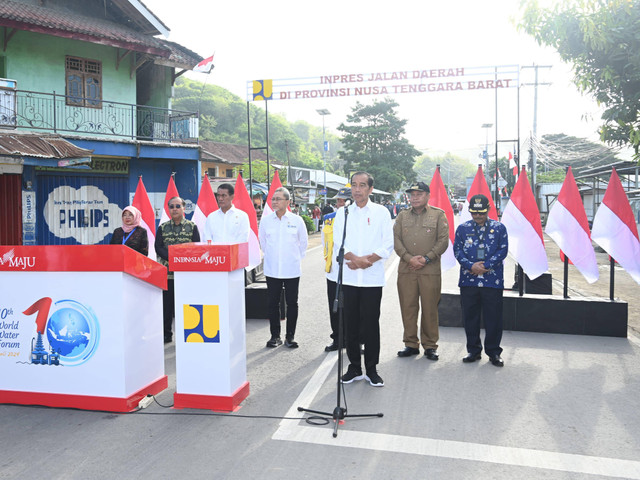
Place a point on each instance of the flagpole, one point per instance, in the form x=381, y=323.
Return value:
x=565, y=292
x=612, y=274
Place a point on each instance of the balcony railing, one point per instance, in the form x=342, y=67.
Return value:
x=50, y=112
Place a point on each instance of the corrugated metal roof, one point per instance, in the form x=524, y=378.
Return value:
x=41, y=146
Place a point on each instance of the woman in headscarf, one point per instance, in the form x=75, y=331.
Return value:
x=131, y=233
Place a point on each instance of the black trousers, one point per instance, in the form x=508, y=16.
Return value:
x=362, y=322
x=482, y=303
x=333, y=317
x=274, y=289
x=168, y=307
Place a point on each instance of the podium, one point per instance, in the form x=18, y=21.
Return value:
x=80, y=326
x=210, y=331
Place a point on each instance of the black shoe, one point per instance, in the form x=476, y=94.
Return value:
x=274, y=342
x=332, y=347
x=374, y=379
x=168, y=339
x=289, y=343
x=353, y=373
x=431, y=354
x=408, y=351
x=497, y=361
x=472, y=357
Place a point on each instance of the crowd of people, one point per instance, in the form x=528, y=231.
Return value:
x=358, y=236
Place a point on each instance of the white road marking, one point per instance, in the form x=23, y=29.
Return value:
x=294, y=431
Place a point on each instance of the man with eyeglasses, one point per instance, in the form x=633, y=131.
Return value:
x=228, y=224
x=283, y=240
x=174, y=232
x=480, y=246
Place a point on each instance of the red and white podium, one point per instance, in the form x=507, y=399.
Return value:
x=210, y=332
x=80, y=326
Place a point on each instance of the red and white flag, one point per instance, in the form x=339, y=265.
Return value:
x=206, y=205
x=141, y=202
x=512, y=165
x=242, y=201
x=172, y=191
x=568, y=226
x=439, y=198
x=522, y=219
x=615, y=229
x=275, y=184
x=479, y=186
x=205, y=66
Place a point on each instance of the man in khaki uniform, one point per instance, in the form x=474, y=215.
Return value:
x=421, y=236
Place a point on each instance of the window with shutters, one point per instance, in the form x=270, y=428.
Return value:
x=83, y=82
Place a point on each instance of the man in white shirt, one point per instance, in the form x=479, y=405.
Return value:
x=368, y=242
x=227, y=224
x=283, y=240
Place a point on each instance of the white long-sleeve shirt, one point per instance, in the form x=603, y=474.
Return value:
x=230, y=227
x=369, y=230
x=284, y=244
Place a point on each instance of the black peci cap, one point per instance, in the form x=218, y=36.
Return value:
x=479, y=204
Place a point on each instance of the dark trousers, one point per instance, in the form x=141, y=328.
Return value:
x=168, y=307
x=274, y=289
x=333, y=317
x=362, y=321
x=486, y=304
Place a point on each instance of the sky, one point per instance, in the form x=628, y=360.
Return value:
x=285, y=39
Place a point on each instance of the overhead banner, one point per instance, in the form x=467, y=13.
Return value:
x=430, y=80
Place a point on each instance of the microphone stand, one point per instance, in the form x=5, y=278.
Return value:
x=339, y=412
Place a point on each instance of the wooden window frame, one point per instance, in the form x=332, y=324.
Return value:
x=89, y=73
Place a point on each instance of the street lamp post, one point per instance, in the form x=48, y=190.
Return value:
x=324, y=112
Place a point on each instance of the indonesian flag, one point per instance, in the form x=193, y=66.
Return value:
x=275, y=184
x=567, y=225
x=206, y=205
x=615, y=230
x=513, y=166
x=205, y=66
x=242, y=201
x=141, y=202
x=522, y=219
x=439, y=198
x=479, y=186
x=172, y=191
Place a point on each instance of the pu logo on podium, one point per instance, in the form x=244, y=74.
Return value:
x=201, y=323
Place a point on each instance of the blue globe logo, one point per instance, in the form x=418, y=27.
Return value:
x=73, y=332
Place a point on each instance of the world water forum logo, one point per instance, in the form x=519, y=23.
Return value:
x=72, y=332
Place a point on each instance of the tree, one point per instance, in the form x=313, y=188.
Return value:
x=454, y=170
x=373, y=142
x=600, y=39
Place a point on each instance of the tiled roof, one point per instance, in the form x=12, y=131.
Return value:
x=66, y=23
x=180, y=56
x=228, y=153
x=49, y=20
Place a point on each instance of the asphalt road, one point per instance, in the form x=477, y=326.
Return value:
x=563, y=407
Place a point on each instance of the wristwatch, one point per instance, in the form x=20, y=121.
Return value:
x=427, y=259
